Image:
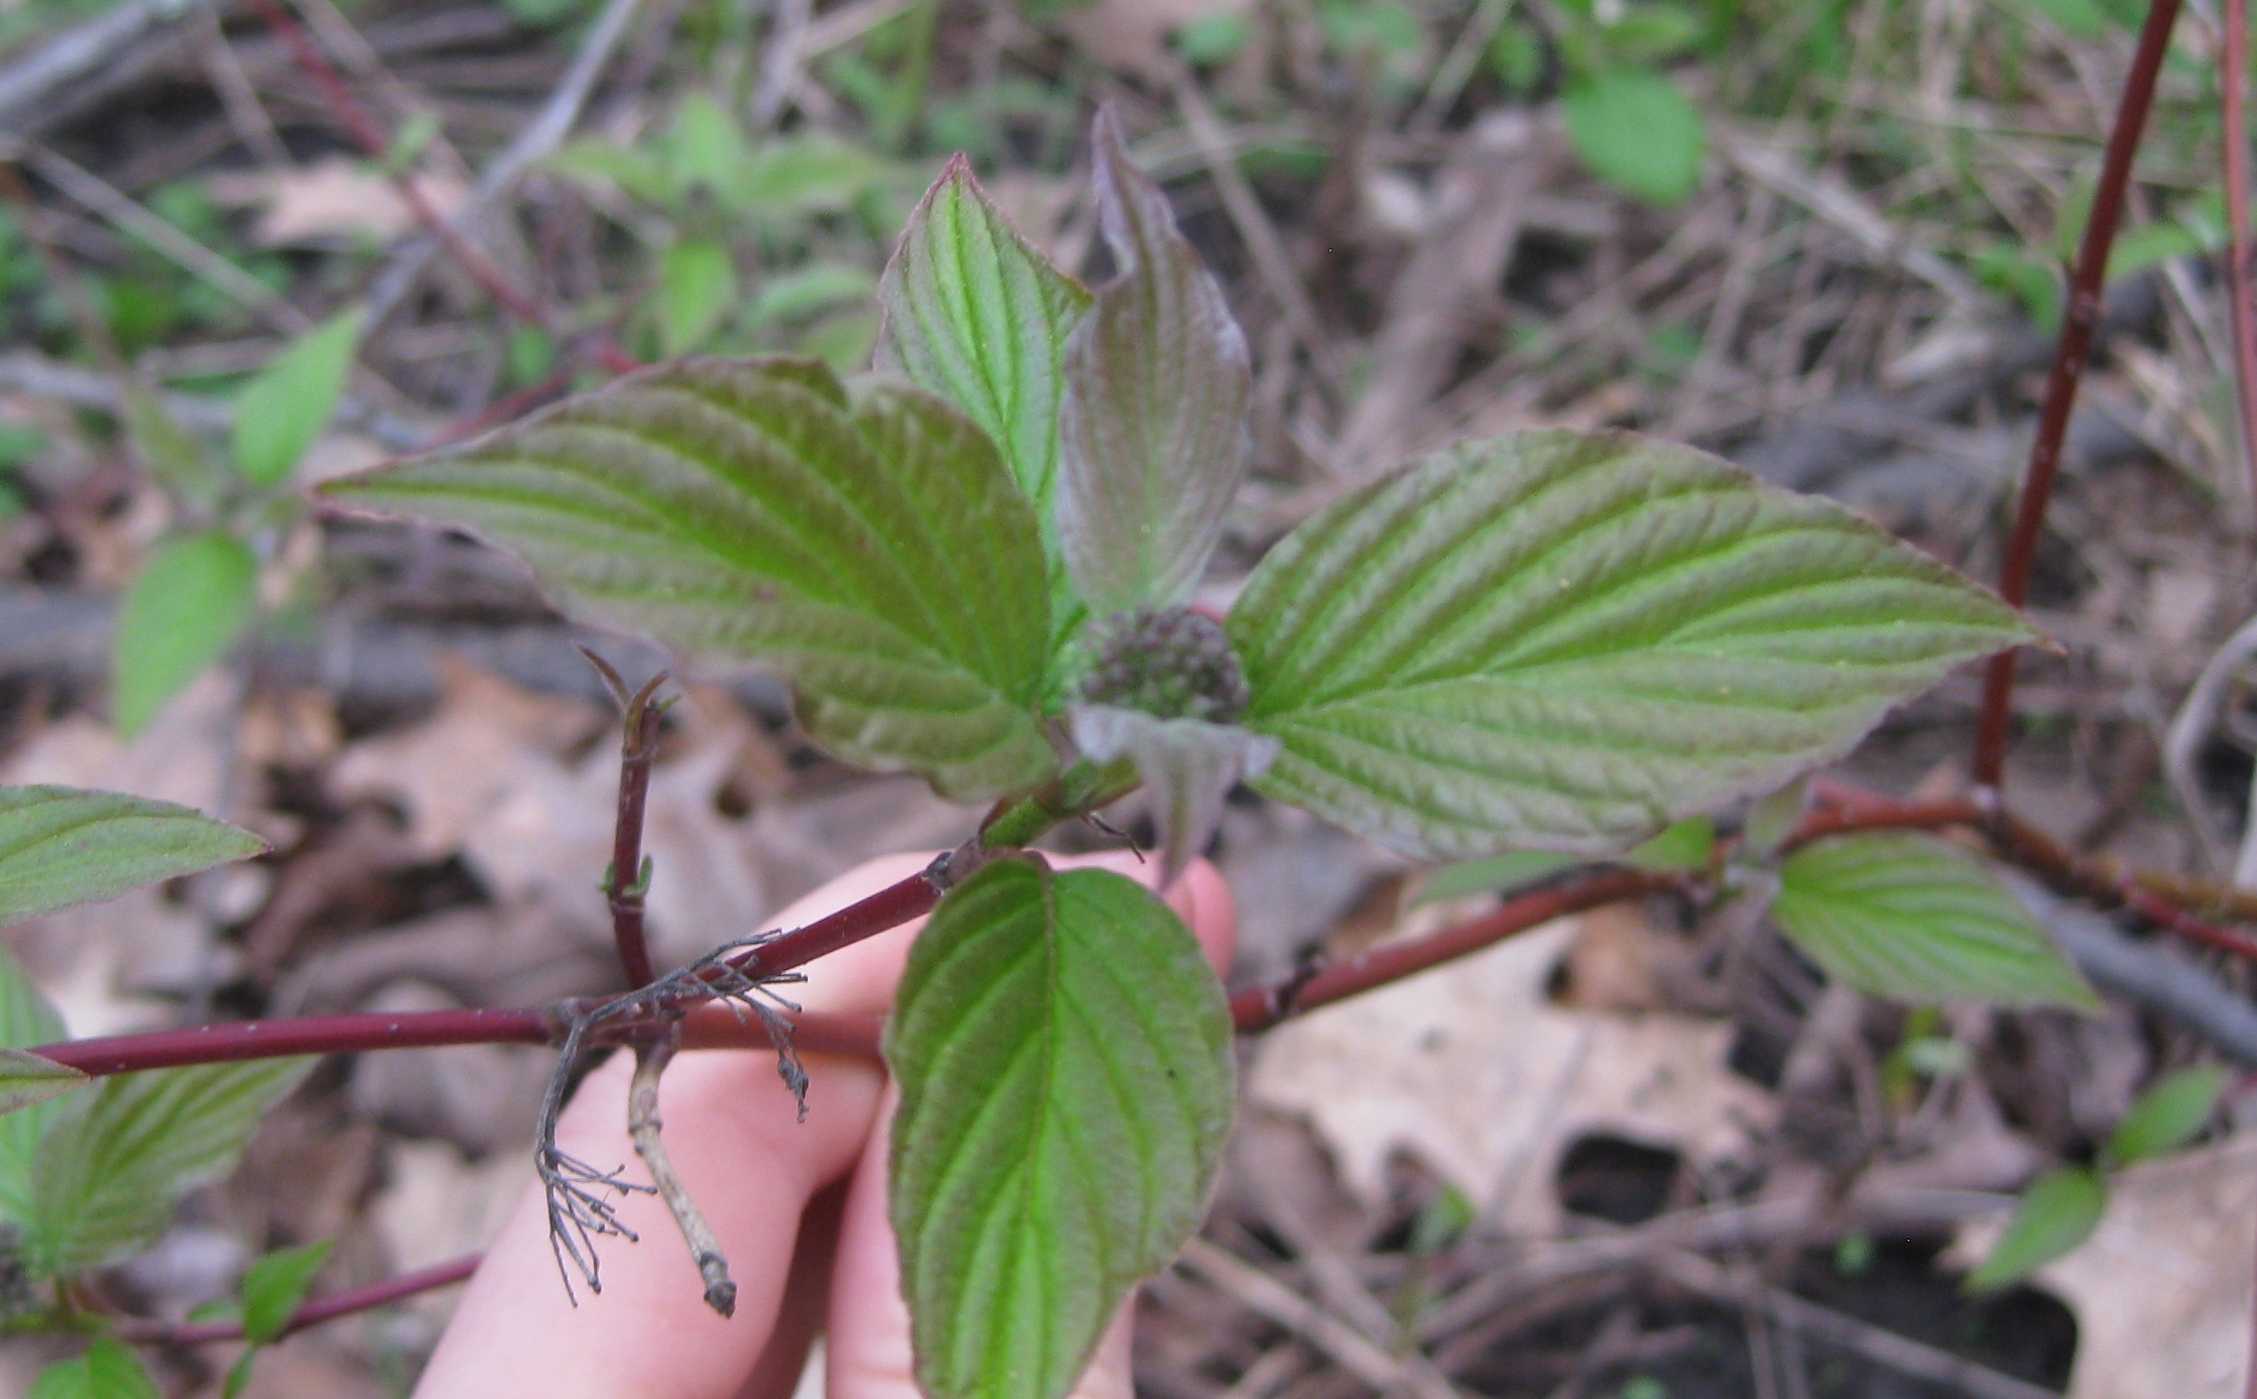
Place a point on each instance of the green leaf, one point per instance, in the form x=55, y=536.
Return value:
x=1152, y=426
x=414, y=137
x=274, y=1286
x=799, y=175
x=875, y=553
x=1909, y=916
x=2167, y=1115
x=117, y=1160
x=107, y=1371
x=1567, y=641
x=284, y=408
x=707, y=148
x=1774, y=818
x=974, y=313
x=1637, y=132
x=60, y=846
x=1490, y=874
x=1064, y=1059
x=239, y=1374
x=697, y=284
x=637, y=172
x=194, y=595
x=168, y=451
x=2079, y=19
x=1683, y=848
x=1652, y=33
x=1211, y=39
x=804, y=291
x=2058, y=1212
x=28, y=1083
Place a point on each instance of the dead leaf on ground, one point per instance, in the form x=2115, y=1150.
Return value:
x=2162, y=1290
x=1133, y=34
x=482, y=743
x=1472, y=1068
x=327, y=200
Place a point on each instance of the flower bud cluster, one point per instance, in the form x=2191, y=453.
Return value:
x=1171, y=662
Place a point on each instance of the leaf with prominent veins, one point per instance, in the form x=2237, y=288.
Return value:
x=873, y=551
x=1567, y=641
x=60, y=846
x=116, y=1160
x=1897, y=913
x=1153, y=428
x=975, y=314
x=1064, y=1058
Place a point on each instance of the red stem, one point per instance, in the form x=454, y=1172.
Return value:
x=1866, y=814
x=2233, y=66
x=2078, y=325
x=624, y=889
x=1257, y=1008
x=712, y=1027
x=818, y=1032
x=376, y=145
x=1253, y=1010
x=889, y=908
x=313, y=1313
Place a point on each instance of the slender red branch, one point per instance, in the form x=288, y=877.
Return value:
x=2078, y=325
x=2233, y=70
x=1870, y=815
x=889, y=908
x=712, y=1027
x=376, y=144
x=1259, y=1007
x=231, y=1041
x=625, y=885
x=312, y=1313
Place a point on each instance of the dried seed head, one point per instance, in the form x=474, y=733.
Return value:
x=1171, y=662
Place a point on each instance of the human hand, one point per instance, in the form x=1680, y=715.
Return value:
x=800, y=1209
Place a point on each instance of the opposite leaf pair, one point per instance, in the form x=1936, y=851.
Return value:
x=1123, y=417
x=1547, y=640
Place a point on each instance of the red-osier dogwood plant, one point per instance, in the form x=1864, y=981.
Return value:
x=973, y=564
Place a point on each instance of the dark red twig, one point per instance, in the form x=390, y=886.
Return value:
x=377, y=145
x=2078, y=324
x=312, y=1313
x=2233, y=69
x=1868, y=815
x=2017, y=841
x=1259, y=1007
x=231, y=1041
x=628, y=880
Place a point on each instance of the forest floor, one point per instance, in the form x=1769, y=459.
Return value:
x=1641, y=1153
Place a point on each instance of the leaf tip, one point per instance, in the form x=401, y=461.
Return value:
x=27, y=1079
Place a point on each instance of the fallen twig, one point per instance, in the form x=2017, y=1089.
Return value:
x=643, y=1127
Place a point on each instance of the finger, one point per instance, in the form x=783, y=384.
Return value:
x=869, y=1351
x=732, y=1130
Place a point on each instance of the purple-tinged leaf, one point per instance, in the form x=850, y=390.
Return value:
x=1152, y=435
x=1188, y=767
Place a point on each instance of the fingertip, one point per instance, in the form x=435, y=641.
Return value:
x=1202, y=899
